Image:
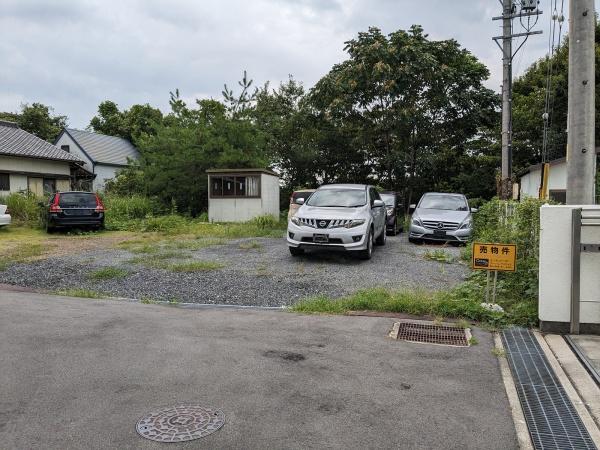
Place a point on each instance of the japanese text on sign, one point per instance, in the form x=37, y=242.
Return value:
x=494, y=256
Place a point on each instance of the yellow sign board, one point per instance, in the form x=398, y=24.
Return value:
x=494, y=257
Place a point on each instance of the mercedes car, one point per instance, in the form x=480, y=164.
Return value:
x=441, y=217
x=346, y=217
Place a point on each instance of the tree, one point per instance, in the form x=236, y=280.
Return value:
x=529, y=92
x=38, y=119
x=405, y=102
x=131, y=124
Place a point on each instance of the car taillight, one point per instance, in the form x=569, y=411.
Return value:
x=99, y=204
x=54, y=206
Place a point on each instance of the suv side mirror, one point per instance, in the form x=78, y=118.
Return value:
x=474, y=210
x=299, y=201
x=412, y=207
x=378, y=204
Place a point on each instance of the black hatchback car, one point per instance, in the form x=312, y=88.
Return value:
x=394, y=212
x=74, y=209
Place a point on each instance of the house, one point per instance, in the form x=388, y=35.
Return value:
x=102, y=155
x=238, y=195
x=30, y=164
x=531, y=180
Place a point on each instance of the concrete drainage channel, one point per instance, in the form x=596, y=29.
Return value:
x=180, y=423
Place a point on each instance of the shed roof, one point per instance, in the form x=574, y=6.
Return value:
x=104, y=149
x=241, y=171
x=17, y=142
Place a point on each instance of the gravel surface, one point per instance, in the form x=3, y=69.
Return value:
x=263, y=275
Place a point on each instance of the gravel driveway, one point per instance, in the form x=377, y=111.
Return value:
x=257, y=271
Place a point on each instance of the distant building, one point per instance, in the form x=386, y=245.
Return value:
x=30, y=164
x=102, y=155
x=238, y=195
x=531, y=180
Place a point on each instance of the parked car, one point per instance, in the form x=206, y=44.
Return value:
x=5, y=218
x=74, y=209
x=394, y=212
x=441, y=217
x=349, y=217
x=294, y=206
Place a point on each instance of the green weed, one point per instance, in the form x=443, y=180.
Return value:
x=194, y=266
x=107, y=273
x=79, y=292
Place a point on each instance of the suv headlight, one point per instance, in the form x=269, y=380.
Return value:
x=355, y=223
x=416, y=220
x=295, y=221
x=467, y=224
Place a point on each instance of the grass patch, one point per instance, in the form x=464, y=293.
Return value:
x=439, y=256
x=16, y=252
x=79, y=292
x=194, y=266
x=195, y=244
x=107, y=273
x=498, y=352
x=455, y=303
x=251, y=245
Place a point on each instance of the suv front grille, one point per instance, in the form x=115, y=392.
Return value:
x=324, y=223
x=439, y=225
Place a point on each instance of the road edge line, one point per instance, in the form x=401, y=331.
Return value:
x=513, y=399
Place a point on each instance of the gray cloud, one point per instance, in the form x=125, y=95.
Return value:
x=73, y=54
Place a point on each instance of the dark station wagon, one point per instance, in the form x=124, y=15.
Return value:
x=74, y=210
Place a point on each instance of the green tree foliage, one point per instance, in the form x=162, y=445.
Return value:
x=528, y=106
x=175, y=159
x=404, y=112
x=131, y=124
x=37, y=119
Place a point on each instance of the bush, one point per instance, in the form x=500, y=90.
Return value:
x=24, y=208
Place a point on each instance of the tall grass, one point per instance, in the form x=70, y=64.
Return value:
x=24, y=208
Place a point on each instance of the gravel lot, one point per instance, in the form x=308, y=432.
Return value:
x=257, y=271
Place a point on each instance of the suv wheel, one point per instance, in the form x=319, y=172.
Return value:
x=295, y=251
x=368, y=252
x=382, y=238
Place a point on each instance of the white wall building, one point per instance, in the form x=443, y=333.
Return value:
x=239, y=195
x=102, y=155
x=30, y=164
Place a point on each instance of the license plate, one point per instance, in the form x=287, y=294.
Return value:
x=439, y=232
x=321, y=238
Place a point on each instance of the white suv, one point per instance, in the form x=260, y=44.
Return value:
x=339, y=217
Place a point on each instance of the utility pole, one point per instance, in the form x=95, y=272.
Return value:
x=509, y=13
x=581, y=148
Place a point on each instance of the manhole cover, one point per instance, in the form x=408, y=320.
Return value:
x=180, y=423
x=431, y=333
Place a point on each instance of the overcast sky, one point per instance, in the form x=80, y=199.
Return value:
x=73, y=54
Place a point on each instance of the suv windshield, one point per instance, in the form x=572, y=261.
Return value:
x=441, y=201
x=388, y=199
x=345, y=198
x=77, y=200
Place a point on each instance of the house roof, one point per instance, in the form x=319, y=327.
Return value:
x=241, y=171
x=103, y=149
x=17, y=142
x=554, y=162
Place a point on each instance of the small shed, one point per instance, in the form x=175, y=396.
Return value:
x=239, y=195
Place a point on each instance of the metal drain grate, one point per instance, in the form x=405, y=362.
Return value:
x=551, y=418
x=431, y=334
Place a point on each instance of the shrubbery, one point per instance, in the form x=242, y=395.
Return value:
x=24, y=208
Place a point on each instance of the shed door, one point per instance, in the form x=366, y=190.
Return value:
x=36, y=186
x=63, y=185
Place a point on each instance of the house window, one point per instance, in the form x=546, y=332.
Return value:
x=233, y=186
x=4, y=182
x=49, y=185
x=558, y=195
x=65, y=148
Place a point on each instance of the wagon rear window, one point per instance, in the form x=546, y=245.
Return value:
x=77, y=200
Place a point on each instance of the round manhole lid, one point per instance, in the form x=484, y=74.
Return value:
x=180, y=423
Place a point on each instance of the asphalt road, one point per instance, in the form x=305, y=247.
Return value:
x=79, y=373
